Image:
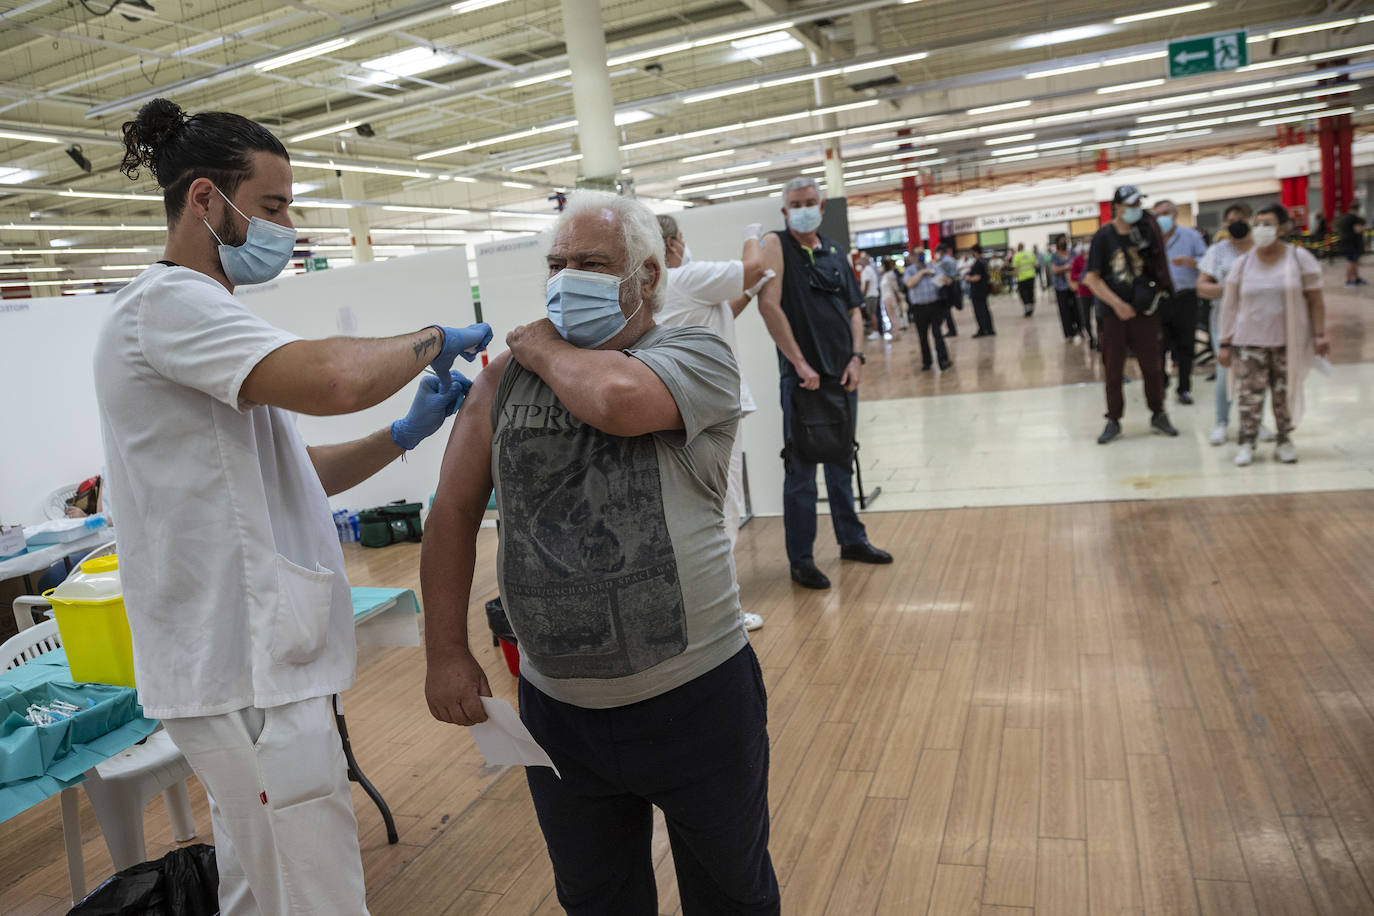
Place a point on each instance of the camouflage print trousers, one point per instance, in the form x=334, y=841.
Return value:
x=1257, y=369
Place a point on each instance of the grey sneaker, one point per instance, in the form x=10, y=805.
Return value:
x=1109, y=432
x=1160, y=424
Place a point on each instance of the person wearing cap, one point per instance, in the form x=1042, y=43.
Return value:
x=1184, y=247
x=1129, y=276
x=239, y=609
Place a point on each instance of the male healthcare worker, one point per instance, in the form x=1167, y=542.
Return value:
x=232, y=572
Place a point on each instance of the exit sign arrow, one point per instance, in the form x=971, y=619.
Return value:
x=1207, y=54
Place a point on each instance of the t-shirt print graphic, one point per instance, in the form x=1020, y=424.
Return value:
x=591, y=581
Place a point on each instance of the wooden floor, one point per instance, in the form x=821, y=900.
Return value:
x=1031, y=353
x=1108, y=708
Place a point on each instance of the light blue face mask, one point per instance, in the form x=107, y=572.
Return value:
x=584, y=306
x=804, y=219
x=1165, y=223
x=1132, y=215
x=265, y=251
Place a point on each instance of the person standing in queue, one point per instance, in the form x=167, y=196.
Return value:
x=814, y=314
x=233, y=576
x=1129, y=276
x=979, y=285
x=1024, y=263
x=1184, y=247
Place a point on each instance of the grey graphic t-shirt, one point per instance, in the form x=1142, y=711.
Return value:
x=614, y=564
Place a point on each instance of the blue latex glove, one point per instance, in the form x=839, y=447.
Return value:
x=433, y=404
x=465, y=342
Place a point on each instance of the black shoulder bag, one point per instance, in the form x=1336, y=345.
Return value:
x=822, y=425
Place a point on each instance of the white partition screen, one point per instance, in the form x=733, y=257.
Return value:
x=716, y=233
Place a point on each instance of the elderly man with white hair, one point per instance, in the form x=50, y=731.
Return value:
x=608, y=438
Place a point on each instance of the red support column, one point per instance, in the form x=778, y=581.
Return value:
x=1104, y=211
x=1326, y=141
x=911, y=201
x=1345, y=135
x=1293, y=196
x=933, y=233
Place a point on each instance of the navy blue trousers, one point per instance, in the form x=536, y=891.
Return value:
x=700, y=753
x=799, y=491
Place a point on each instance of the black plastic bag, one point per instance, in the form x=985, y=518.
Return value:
x=185, y=882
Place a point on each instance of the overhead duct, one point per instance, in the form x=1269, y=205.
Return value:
x=866, y=42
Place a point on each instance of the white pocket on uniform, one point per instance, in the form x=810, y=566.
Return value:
x=301, y=624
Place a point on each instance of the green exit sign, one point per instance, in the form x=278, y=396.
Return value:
x=1211, y=54
x=316, y=262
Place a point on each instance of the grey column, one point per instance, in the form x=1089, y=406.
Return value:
x=593, y=102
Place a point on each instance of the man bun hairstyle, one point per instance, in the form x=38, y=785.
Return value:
x=178, y=148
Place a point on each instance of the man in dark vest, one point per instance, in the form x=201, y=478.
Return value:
x=815, y=316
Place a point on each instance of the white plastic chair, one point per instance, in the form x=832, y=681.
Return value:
x=120, y=788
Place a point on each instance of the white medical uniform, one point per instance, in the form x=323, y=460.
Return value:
x=234, y=582
x=697, y=295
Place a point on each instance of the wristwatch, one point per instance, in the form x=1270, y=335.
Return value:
x=863, y=361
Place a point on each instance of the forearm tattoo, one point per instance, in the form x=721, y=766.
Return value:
x=425, y=344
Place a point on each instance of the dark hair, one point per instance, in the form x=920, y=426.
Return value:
x=1240, y=207
x=178, y=149
x=1280, y=213
x=889, y=264
x=977, y=249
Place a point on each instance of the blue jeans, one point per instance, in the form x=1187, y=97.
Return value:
x=799, y=492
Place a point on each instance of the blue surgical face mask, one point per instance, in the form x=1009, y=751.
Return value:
x=804, y=219
x=584, y=306
x=1132, y=215
x=1165, y=223
x=265, y=251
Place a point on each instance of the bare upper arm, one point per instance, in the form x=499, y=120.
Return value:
x=465, y=480
x=645, y=403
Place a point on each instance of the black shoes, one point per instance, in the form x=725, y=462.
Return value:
x=808, y=576
x=946, y=365
x=1160, y=423
x=1109, y=432
x=1185, y=397
x=926, y=367
x=863, y=552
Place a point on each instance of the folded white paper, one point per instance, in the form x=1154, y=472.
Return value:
x=1322, y=365
x=504, y=739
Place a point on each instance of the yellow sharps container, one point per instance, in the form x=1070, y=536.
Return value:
x=89, y=607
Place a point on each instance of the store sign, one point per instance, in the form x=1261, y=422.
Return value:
x=1025, y=218
x=316, y=262
x=1211, y=54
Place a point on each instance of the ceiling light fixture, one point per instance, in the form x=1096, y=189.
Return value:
x=1004, y=106
x=1160, y=14
x=700, y=156
x=1127, y=87
x=446, y=211
x=20, y=135
x=311, y=135
x=1315, y=27
x=324, y=47
x=1014, y=138
x=530, y=166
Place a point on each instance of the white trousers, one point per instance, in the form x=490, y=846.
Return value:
x=734, y=492
x=286, y=839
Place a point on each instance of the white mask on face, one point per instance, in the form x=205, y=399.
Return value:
x=1265, y=235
